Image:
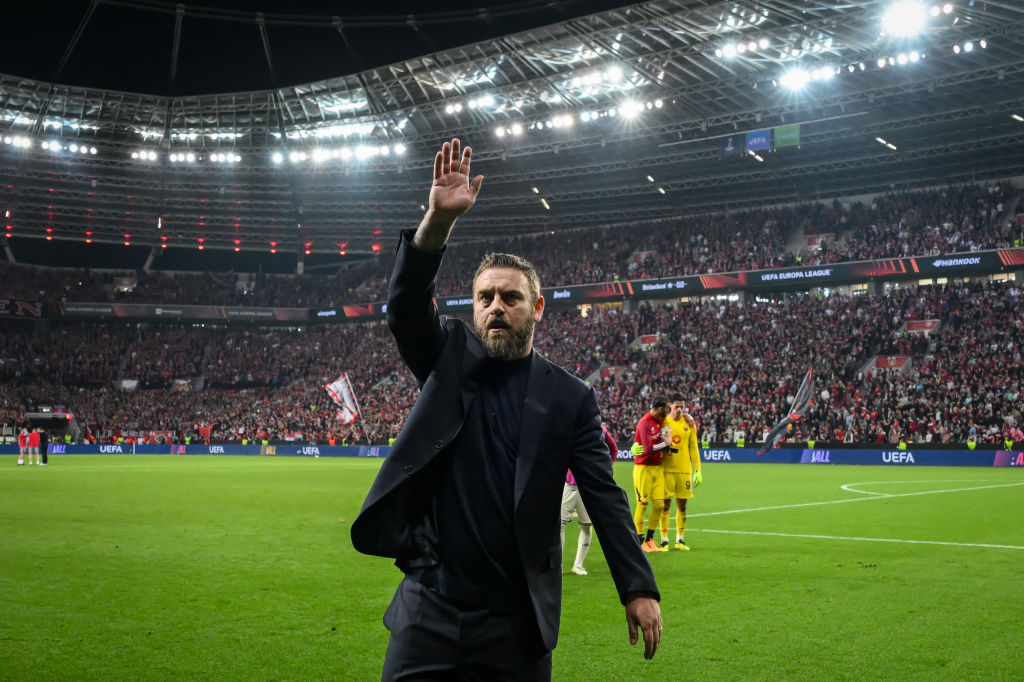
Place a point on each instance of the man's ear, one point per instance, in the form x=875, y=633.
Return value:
x=538, y=309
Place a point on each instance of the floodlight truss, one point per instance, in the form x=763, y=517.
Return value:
x=950, y=108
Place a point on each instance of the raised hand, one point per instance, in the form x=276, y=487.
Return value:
x=451, y=194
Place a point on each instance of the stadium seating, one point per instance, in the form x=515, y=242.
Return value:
x=736, y=362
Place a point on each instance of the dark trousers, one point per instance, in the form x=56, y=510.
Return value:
x=435, y=638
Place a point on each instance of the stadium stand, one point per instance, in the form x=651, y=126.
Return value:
x=737, y=362
x=953, y=219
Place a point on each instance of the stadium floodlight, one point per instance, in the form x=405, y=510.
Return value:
x=905, y=18
x=631, y=108
x=1017, y=117
x=823, y=73
x=613, y=74
x=277, y=157
x=517, y=129
x=320, y=155
x=763, y=43
x=499, y=132
x=983, y=44
x=729, y=50
x=400, y=148
x=947, y=8
x=901, y=59
x=968, y=46
x=795, y=79
x=293, y=157
x=661, y=190
x=190, y=157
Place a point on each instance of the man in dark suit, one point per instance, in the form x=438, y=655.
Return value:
x=468, y=499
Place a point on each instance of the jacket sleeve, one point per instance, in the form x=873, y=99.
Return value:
x=412, y=315
x=607, y=504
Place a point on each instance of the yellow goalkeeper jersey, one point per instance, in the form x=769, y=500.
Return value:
x=682, y=455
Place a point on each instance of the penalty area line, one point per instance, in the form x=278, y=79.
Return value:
x=856, y=539
x=854, y=499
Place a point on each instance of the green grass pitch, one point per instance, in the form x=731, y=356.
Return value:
x=241, y=568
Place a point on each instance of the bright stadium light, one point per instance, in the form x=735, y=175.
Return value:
x=277, y=157
x=631, y=108
x=795, y=79
x=905, y=18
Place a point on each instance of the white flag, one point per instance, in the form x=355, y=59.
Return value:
x=342, y=394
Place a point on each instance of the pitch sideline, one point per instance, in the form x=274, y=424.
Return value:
x=853, y=499
x=855, y=539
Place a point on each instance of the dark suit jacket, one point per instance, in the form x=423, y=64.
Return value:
x=561, y=429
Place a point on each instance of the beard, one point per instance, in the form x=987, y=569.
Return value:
x=509, y=346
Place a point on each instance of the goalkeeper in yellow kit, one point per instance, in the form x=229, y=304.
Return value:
x=681, y=465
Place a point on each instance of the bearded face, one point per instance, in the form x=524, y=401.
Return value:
x=504, y=313
x=502, y=341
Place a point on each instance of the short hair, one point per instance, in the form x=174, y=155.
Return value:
x=509, y=260
x=658, y=401
x=676, y=398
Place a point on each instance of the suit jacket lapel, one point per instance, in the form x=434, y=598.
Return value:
x=535, y=411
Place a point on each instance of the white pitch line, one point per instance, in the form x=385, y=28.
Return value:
x=849, y=487
x=853, y=499
x=856, y=539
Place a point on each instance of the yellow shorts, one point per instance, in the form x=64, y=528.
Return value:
x=678, y=484
x=649, y=483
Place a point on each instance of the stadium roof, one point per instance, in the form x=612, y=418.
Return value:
x=632, y=113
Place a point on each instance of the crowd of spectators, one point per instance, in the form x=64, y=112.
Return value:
x=738, y=364
x=954, y=219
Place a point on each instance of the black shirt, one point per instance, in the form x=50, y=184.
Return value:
x=474, y=503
